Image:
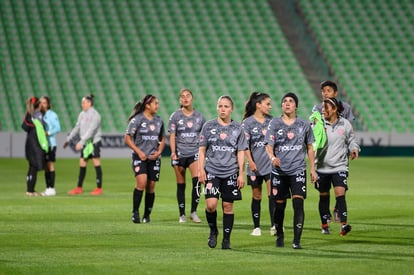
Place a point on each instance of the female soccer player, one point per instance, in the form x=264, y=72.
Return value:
x=52, y=127
x=88, y=129
x=288, y=139
x=221, y=168
x=332, y=163
x=145, y=136
x=36, y=143
x=329, y=89
x=184, y=127
x=255, y=122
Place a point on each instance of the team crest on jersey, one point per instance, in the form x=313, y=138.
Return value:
x=152, y=127
x=223, y=136
x=290, y=135
x=189, y=124
x=340, y=131
x=272, y=137
x=264, y=131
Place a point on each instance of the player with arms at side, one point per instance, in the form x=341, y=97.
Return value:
x=288, y=140
x=184, y=127
x=221, y=168
x=255, y=122
x=145, y=136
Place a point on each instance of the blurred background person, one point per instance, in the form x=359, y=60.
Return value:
x=52, y=127
x=88, y=130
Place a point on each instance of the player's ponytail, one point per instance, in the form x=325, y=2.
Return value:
x=250, y=106
x=140, y=106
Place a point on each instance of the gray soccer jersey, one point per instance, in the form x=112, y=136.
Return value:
x=347, y=113
x=255, y=135
x=146, y=133
x=187, y=130
x=289, y=144
x=222, y=144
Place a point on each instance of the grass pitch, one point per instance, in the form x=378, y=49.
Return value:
x=94, y=235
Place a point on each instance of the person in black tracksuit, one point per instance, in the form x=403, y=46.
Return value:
x=35, y=155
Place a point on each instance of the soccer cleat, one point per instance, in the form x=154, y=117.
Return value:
x=49, y=192
x=280, y=240
x=345, y=229
x=76, y=191
x=194, y=217
x=32, y=194
x=135, y=217
x=325, y=231
x=256, y=232
x=225, y=244
x=273, y=231
x=182, y=219
x=96, y=192
x=146, y=219
x=212, y=239
x=296, y=245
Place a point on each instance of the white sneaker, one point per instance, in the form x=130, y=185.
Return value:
x=273, y=231
x=183, y=219
x=195, y=218
x=49, y=192
x=256, y=232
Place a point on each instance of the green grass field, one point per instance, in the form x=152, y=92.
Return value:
x=95, y=235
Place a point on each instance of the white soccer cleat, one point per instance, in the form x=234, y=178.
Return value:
x=49, y=192
x=195, y=218
x=183, y=219
x=256, y=232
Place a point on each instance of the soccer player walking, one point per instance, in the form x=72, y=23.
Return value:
x=329, y=89
x=145, y=136
x=221, y=168
x=332, y=163
x=184, y=127
x=88, y=130
x=255, y=122
x=52, y=127
x=288, y=139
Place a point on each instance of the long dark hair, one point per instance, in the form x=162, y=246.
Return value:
x=140, y=105
x=45, y=97
x=335, y=104
x=250, y=106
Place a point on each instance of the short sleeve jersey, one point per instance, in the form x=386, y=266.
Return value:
x=146, y=133
x=289, y=144
x=255, y=132
x=187, y=130
x=222, y=145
